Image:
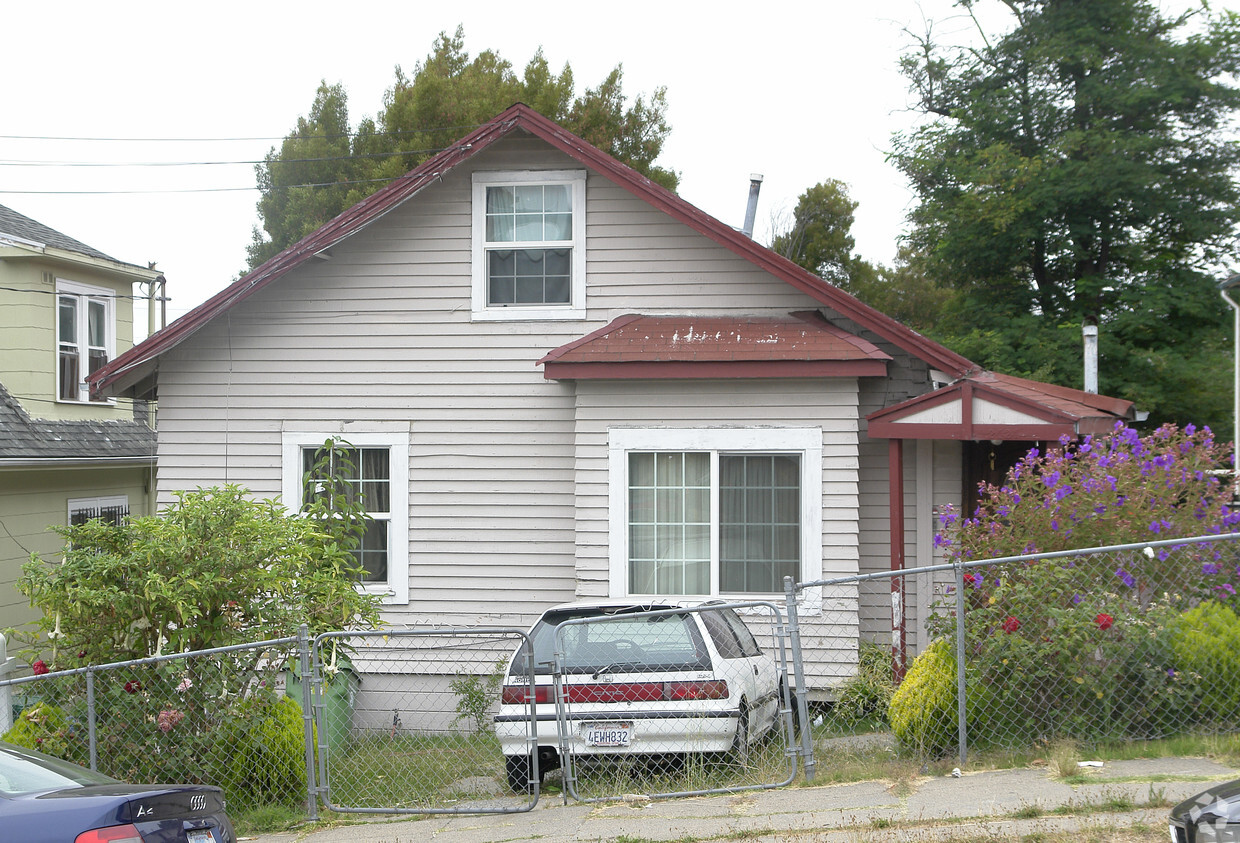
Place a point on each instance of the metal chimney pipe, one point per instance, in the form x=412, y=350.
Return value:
x=751, y=209
x=1090, y=334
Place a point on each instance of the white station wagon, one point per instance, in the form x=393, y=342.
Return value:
x=677, y=681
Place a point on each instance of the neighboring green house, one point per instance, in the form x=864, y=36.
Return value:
x=65, y=310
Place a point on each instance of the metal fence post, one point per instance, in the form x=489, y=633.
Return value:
x=307, y=716
x=798, y=668
x=963, y=731
x=90, y=720
x=6, y=694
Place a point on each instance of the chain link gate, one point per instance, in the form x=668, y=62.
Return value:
x=674, y=702
x=405, y=721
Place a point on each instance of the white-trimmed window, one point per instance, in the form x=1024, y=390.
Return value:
x=378, y=472
x=529, y=244
x=704, y=512
x=85, y=336
x=112, y=508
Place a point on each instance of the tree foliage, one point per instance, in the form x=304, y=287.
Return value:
x=819, y=238
x=322, y=168
x=216, y=568
x=1079, y=170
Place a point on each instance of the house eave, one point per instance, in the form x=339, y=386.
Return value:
x=687, y=370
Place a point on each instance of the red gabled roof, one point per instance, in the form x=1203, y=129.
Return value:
x=1052, y=411
x=690, y=346
x=137, y=361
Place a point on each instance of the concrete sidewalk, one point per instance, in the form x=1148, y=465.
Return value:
x=927, y=809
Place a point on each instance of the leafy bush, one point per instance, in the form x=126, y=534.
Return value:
x=44, y=727
x=1206, y=642
x=1081, y=648
x=923, y=710
x=868, y=693
x=261, y=752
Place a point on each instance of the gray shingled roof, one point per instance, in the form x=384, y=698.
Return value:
x=25, y=439
x=24, y=227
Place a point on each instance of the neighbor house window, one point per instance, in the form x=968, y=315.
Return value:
x=706, y=512
x=528, y=256
x=85, y=336
x=371, y=468
x=113, y=509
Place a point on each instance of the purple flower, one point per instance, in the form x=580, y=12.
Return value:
x=1228, y=587
x=1125, y=577
x=1051, y=480
x=1209, y=568
x=1076, y=599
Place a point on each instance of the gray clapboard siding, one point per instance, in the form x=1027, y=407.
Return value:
x=508, y=504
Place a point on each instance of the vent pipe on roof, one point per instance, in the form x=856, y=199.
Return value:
x=1090, y=334
x=751, y=209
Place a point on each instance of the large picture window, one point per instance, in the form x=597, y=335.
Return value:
x=85, y=337
x=707, y=512
x=373, y=468
x=528, y=245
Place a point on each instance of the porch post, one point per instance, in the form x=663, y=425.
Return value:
x=895, y=473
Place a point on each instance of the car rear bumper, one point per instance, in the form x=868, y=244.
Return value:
x=649, y=732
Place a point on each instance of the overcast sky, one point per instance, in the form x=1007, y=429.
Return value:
x=797, y=91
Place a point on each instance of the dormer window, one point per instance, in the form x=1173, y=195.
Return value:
x=528, y=256
x=85, y=336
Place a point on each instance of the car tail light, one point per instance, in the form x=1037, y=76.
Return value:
x=716, y=689
x=111, y=834
x=615, y=692
x=519, y=694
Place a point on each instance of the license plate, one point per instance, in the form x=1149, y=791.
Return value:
x=608, y=734
x=199, y=835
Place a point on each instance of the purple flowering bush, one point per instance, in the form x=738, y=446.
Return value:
x=1083, y=647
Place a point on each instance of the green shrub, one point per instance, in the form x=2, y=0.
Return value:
x=868, y=693
x=923, y=709
x=1206, y=642
x=44, y=727
x=261, y=756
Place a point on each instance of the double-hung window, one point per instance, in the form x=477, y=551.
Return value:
x=85, y=336
x=528, y=245
x=372, y=468
x=713, y=511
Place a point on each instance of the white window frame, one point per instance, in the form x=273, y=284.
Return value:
x=803, y=441
x=85, y=293
x=396, y=590
x=78, y=504
x=576, y=308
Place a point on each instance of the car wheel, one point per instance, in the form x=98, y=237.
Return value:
x=740, y=742
x=517, y=768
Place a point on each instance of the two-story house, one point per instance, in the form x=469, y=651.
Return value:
x=66, y=310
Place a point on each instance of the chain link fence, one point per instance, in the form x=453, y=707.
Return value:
x=215, y=717
x=1134, y=642
x=407, y=721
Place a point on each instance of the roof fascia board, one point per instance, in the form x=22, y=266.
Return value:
x=687, y=370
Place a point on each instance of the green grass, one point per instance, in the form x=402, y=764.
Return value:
x=416, y=771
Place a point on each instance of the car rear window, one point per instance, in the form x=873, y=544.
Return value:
x=618, y=642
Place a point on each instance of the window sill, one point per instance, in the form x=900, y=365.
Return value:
x=529, y=314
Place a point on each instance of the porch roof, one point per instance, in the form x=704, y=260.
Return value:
x=989, y=405
x=795, y=345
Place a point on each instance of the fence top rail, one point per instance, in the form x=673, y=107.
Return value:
x=444, y=631
x=167, y=657
x=1030, y=557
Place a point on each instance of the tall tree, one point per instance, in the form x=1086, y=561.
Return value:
x=1079, y=170
x=322, y=168
x=819, y=238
